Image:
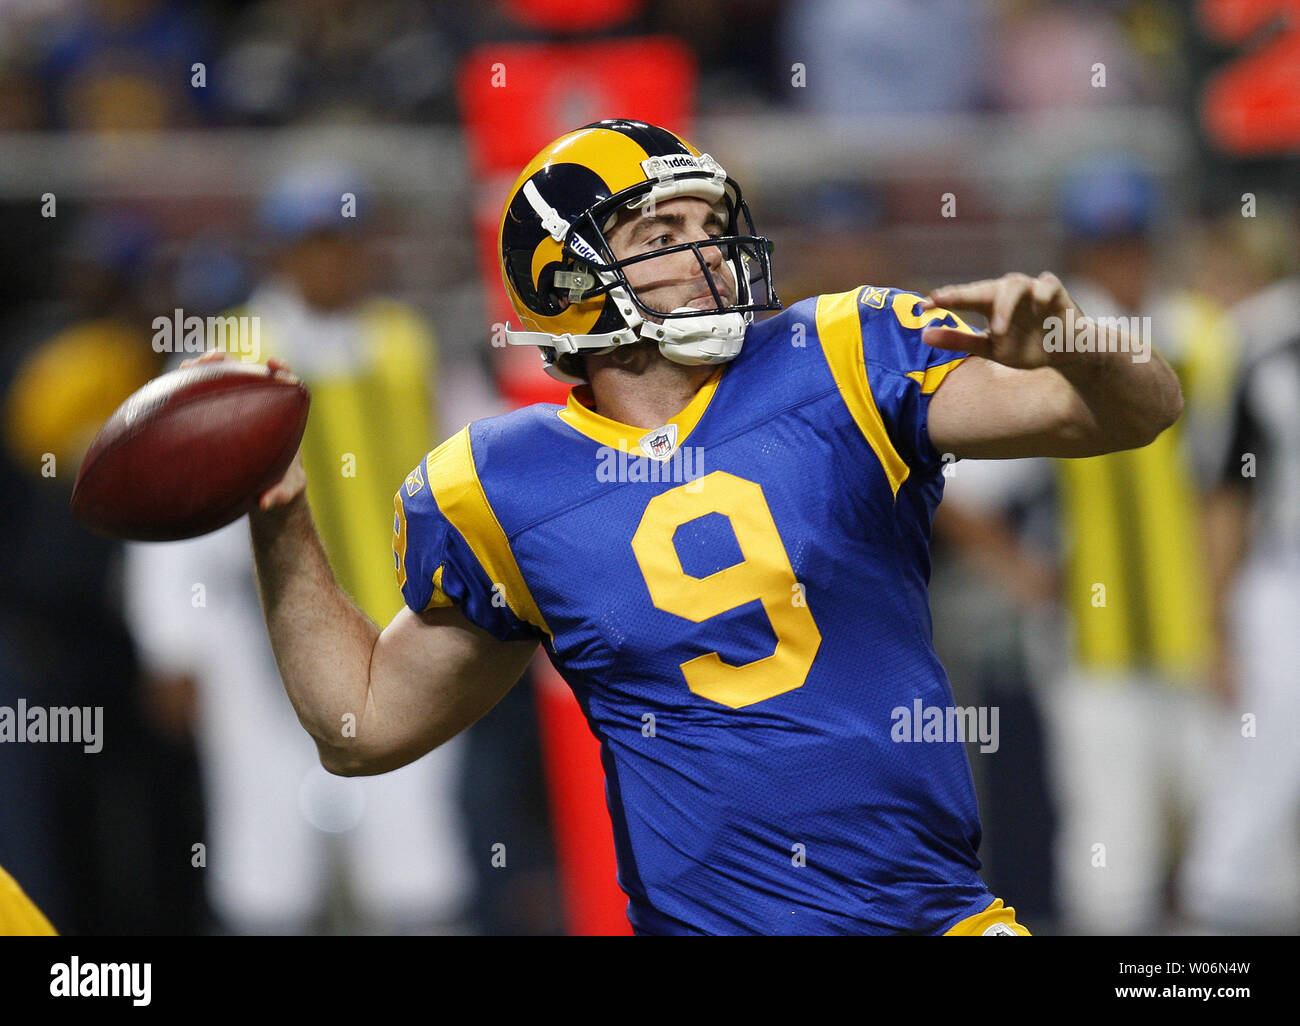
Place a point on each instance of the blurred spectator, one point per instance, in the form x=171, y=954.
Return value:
x=1266, y=250
x=379, y=59
x=53, y=411
x=738, y=49
x=100, y=840
x=113, y=65
x=283, y=831
x=1063, y=54
x=21, y=104
x=889, y=56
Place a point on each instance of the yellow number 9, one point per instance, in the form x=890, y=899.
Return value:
x=764, y=573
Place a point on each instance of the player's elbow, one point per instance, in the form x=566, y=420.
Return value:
x=349, y=761
x=1167, y=406
x=1133, y=426
x=1173, y=407
x=1157, y=416
x=343, y=764
x=353, y=760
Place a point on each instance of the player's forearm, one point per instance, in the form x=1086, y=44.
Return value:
x=322, y=642
x=1118, y=402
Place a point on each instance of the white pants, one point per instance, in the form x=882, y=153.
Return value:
x=1243, y=869
x=1126, y=761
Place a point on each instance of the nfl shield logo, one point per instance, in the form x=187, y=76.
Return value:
x=660, y=443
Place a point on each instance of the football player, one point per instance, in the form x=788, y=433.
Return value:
x=721, y=541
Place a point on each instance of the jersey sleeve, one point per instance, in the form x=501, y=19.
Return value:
x=903, y=372
x=449, y=551
x=872, y=340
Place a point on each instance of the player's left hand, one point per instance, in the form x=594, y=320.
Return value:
x=1018, y=309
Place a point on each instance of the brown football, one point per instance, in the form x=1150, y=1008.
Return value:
x=191, y=451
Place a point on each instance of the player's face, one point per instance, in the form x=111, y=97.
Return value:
x=675, y=279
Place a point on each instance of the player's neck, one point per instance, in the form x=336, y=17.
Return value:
x=644, y=394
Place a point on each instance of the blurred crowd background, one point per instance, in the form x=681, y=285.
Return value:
x=157, y=156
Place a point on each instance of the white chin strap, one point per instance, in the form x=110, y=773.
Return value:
x=701, y=339
x=706, y=338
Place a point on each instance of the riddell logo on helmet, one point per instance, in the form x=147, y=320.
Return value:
x=674, y=162
x=583, y=248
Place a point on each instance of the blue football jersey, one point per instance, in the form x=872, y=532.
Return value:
x=738, y=600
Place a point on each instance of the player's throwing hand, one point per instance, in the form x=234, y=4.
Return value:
x=294, y=481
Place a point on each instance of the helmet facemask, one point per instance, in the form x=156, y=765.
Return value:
x=690, y=335
x=747, y=255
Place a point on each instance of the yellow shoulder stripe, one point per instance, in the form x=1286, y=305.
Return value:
x=459, y=494
x=840, y=332
x=932, y=377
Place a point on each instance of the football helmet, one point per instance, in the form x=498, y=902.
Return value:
x=563, y=279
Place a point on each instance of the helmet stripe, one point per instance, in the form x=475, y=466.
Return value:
x=654, y=140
